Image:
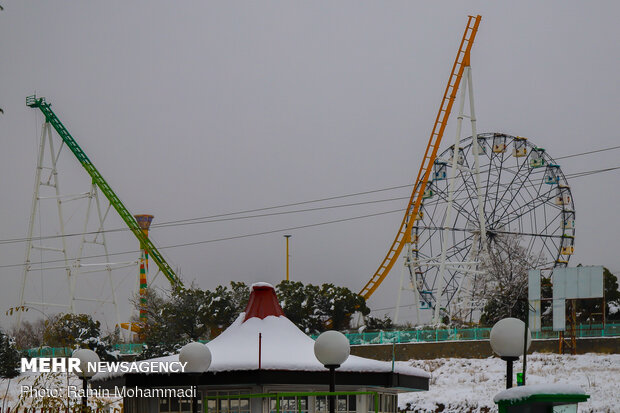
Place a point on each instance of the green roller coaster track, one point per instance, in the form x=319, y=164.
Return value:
x=145, y=242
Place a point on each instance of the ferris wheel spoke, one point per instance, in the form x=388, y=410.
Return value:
x=499, y=179
x=533, y=204
x=466, y=181
x=551, y=253
x=471, y=196
x=514, y=178
x=457, y=206
x=486, y=189
x=520, y=193
x=523, y=213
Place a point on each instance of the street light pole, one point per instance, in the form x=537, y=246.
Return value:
x=332, y=387
x=332, y=349
x=84, y=395
x=287, y=258
x=509, y=369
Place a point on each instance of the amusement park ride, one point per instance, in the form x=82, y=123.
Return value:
x=73, y=266
x=483, y=187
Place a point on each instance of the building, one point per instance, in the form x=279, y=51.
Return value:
x=261, y=356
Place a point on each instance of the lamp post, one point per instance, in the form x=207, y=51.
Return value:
x=288, y=256
x=332, y=349
x=85, y=356
x=508, y=341
x=198, y=359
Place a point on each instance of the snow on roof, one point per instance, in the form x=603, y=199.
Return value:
x=260, y=284
x=283, y=345
x=523, y=392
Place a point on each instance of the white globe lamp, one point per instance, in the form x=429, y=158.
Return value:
x=198, y=359
x=507, y=341
x=197, y=356
x=86, y=356
x=332, y=349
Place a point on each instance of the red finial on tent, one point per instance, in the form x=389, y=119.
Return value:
x=263, y=302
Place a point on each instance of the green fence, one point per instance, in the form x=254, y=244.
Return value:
x=482, y=333
x=382, y=337
x=123, y=348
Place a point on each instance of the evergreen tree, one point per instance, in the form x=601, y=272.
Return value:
x=9, y=357
x=310, y=307
x=190, y=314
x=376, y=323
x=79, y=331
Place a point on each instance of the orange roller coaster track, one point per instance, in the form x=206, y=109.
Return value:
x=404, y=233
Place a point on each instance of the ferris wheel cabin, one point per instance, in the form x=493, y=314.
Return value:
x=428, y=191
x=441, y=171
x=482, y=147
x=460, y=159
x=537, y=158
x=520, y=147
x=563, y=195
x=568, y=220
x=551, y=174
x=567, y=245
x=499, y=143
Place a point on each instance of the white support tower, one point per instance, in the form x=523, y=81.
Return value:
x=62, y=277
x=463, y=300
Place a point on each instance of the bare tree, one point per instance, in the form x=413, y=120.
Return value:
x=29, y=334
x=503, y=286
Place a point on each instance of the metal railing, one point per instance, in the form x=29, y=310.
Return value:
x=480, y=333
x=123, y=349
x=382, y=337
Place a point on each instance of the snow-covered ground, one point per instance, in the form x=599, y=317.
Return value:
x=468, y=385
x=12, y=396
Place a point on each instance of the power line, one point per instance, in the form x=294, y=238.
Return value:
x=217, y=239
x=230, y=215
x=207, y=221
x=287, y=205
x=588, y=153
x=577, y=175
x=598, y=171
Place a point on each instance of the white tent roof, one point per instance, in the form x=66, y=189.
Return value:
x=283, y=345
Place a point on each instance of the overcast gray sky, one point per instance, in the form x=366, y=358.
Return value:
x=197, y=108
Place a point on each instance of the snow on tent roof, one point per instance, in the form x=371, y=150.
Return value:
x=283, y=345
x=523, y=392
x=260, y=284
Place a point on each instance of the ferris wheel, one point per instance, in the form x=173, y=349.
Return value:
x=523, y=194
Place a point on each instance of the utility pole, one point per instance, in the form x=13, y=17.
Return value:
x=287, y=258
